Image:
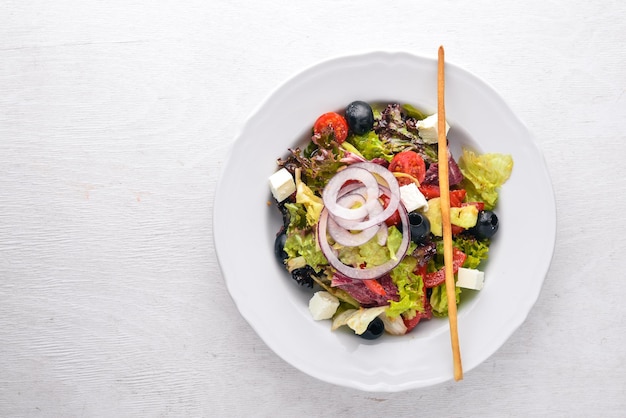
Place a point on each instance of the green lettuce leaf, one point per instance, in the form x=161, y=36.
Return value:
x=439, y=299
x=475, y=250
x=413, y=112
x=370, y=146
x=317, y=164
x=484, y=174
x=297, y=217
x=312, y=203
x=371, y=253
x=410, y=290
x=302, y=249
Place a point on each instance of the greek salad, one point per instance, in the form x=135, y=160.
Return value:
x=362, y=223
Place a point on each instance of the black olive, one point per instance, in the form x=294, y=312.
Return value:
x=360, y=117
x=420, y=227
x=486, y=225
x=304, y=276
x=279, y=247
x=375, y=329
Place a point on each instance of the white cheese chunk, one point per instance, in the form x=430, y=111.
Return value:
x=428, y=129
x=470, y=278
x=323, y=305
x=282, y=184
x=412, y=198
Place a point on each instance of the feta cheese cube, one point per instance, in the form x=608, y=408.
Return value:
x=428, y=129
x=282, y=184
x=470, y=278
x=323, y=305
x=412, y=198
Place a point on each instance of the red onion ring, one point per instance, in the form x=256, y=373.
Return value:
x=374, y=210
x=361, y=183
x=349, y=239
x=394, y=192
x=331, y=192
x=368, y=272
x=363, y=173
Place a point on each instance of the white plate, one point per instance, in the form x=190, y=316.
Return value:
x=277, y=308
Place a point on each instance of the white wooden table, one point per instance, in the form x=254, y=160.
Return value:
x=115, y=120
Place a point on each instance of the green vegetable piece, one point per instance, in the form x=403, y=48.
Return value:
x=464, y=216
x=476, y=250
x=439, y=300
x=297, y=217
x=484, y=174
x=371, y=253
x=351, y=148
x=370, y=146
x=311, y=202
x=410, y=289
x=303, y=247
x=413, y=112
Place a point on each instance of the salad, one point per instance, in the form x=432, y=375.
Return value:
x=362, y=221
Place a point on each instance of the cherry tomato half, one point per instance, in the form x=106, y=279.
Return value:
x=409, y=162
x=334, y=122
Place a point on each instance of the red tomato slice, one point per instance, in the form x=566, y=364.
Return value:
x=456, y=197
x=374, y=286
x=332, y=122
x=439, y=276
x=411, y=323
x=456, y=230
x=409, y=162
x=429, y=191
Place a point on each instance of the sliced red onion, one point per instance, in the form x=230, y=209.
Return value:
x=368, y=186
x=341, y=230
x=350, y=239
x=374, y=211
x=331, y=192
x=382, y=234
x=392, y=185
x=368, y=272
x=364, y=173
x=353, y=214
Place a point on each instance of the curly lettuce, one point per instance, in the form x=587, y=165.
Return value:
x=410, y=290
x=398, y=131
x=370, y=146
x=484, y=174
x=301, y=244
x=318, y=161
x=302, y=250
x=306, y=197
x=476, y=250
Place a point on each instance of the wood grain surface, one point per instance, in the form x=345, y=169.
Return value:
x=115, y=120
